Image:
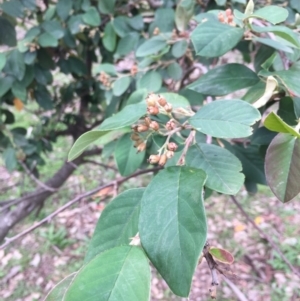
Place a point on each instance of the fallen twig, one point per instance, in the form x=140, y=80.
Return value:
x=265, y=236
x=75, y=200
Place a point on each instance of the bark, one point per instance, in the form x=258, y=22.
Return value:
x=34, y=200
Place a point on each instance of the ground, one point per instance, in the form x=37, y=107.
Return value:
x=31, y=266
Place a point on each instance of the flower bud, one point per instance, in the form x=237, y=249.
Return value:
x=154, y=125
x=153, y=159
x=142, y=128
x=135, y=137
x=153, y=110
x=172, y=146
x=163, y=160
x=151, y=100
x=141, y=147
x=162, y=101
x=168, y=107
x=169, y=154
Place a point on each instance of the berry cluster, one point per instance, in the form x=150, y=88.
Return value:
x=228, y=18
x=156, y=104
x=104, y=78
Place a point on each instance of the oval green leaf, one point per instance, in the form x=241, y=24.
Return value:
x=273, y=14
x=151, y=46
x=226, y=119
x=121, y=273
x=121, y=85
x=117, y=223
x=223, y=169
x=225, y=79
x=221, y=255
x=172, y=224
x=213, y=39
x=126, y=156
x=282, y=166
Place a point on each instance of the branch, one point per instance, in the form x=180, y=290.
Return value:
x=75, y=200
x=265, y=236
x=235, y=289
x=100, y=164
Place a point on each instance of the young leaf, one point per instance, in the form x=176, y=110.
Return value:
x=151, y=81
x=223, y=169
x=226, y=119
x=221, y=255
x=92, y=17
x=172, y=224
x=271, y=13
x=213, y=38
x=274, y=123
x=58, y=291
x=117, y=223
x=282, y=166
x=126, y=156
x=184, y=12
x=225, y=79
x=83, y=142
x=127, y=117
x=121, y=273
x=110, y=38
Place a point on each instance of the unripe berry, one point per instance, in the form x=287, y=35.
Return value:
x=142, y=128
x=156, y=31
x=151, y=100
x=162, y=101
x=153, y=159
x=163, y=160
x=141, y=147
x=154, y=125
x=168, y=107
x=153, y=110
x=172, y=146
x=135, y=137
x=169, y=154
x=170, y=125
x=228, y=12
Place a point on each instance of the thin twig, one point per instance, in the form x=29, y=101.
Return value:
x=100, y=164
x=36, y=180
x=235, y=289
x=188, y=142
x=75, y=200
x=265, y=236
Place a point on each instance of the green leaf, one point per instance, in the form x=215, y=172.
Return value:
x=83, y=142
x=176, y=100
x=43, y=97
x=106, y=6
x=223, y=169
x=19, y=91
x=213, y=39
x=63, y=8
x=174, y=71
x=15, y=64
x=183, y=14
x=92, y=17
x=225, y=79
x=136, y=22
x=121, y=26
x=128, y=43
x=283, y=167
x=221, y=255
x=152, y=81
x=252, y=161
x=10, y=159
x=13, y=8
x=117, y=223
x=2, y=60
x=109, y=39
x=172, y=224
x=280, y=31
x=164, y=20
x=274, y=123
x=58, y=291
x=127, y=117
x=179, y=48
x=271, y=13
x=226, y=119
x=74, y=23
x=121, y=273
x=47, y=40
x=121, y=85
x=286, y=111
x=7, y=33
x=53, y=28
x=255, y=92
x=274, y=44
x=5, y=83
x=137, y=96
x=151, y=46
x=126, y=156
